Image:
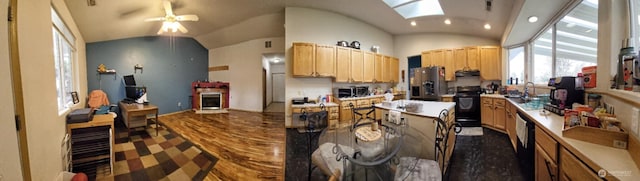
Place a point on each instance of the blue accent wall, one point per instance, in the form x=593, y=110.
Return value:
x=170, y=64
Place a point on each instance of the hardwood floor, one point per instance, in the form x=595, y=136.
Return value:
x=250, y=146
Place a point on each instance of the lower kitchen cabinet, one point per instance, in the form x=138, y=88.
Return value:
x=493, y=113
x=571, y=168
x=447, y=99
x=510, y=122
x=333, y=114
x=546, y=168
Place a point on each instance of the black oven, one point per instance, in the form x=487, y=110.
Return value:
x=362, y=91
x=467, y=100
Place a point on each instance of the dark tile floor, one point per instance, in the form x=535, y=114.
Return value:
x=487, y=157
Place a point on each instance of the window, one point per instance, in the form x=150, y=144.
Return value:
x=63, y=51
x=569, y=45
x=516, y=64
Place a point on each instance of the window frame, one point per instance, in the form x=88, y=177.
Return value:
x=62, y=36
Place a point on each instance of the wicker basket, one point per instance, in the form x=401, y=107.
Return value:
x=413, y=107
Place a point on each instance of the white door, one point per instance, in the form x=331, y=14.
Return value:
x=278, y=87
x=10, y=168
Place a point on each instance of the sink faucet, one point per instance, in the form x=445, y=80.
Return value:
x=526, y=89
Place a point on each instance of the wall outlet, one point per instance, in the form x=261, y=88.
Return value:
x=635, y=116
x=620, y=144
x=179, y=104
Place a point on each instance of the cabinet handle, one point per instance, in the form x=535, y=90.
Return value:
x=546, y=162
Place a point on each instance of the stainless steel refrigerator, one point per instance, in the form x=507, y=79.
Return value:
x=428, y=83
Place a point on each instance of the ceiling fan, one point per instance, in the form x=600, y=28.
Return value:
x=171, y=21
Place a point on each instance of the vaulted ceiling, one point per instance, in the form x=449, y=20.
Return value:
x=225, y=22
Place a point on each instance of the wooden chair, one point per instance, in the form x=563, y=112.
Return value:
x=414, y=169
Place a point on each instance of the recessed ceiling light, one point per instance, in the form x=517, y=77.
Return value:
x=532, y=19
x=276, y=60
x=413, y=23
x=487, y=26
x=447, y=21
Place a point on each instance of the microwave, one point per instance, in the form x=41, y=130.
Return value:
x=346, y=92
x=362, y=91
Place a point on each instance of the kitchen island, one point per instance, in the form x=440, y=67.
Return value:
x=422, y=127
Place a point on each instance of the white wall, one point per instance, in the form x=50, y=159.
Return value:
x=245, y=71
x=45, y=128
x=9, y=151
x=278, y=68
x=322, y=27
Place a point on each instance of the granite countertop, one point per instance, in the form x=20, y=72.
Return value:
x=429, y=108
x=617, y=162
x=447, y=95
x=492, y=95
x=326, y=104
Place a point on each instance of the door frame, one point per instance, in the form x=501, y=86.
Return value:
x=273, y=87
x=264, y=88
x=16, y=81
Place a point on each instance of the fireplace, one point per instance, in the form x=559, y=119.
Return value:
x=210, y=101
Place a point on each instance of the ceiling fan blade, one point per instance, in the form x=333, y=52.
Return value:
x=182, y=28
x=189, y=17
x=154, y=19
x=167, y=7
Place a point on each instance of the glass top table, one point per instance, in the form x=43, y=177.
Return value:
x=371, y=155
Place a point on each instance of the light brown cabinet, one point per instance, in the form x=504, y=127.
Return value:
x=325, y=61
x=447, y=99
x=343, y=64
x=333, y=113
x=473, y=58
x=303, y=59
x=426, y=59
x=571, y=168
x=357, y=64
x=490, y=63
x=437, y=57
x=449, y=65
x=394, y=66
x=460, y=57
x=378, y=70
x=546, y=169
x=511, y=123
x=345, y=111
x=493, y=112
x=369, y=67
x=386, y=67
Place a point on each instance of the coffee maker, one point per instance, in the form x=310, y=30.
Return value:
x=564, y=92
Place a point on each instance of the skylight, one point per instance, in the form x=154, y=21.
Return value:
x=415, y=8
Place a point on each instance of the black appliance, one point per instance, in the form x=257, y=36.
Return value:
x=564, y=92
x=467, y=73
x=346, y=92
x=428, y=83
x=299, y=100
x=132, y=92
x=526, y=155
x=467, y=100
x=362, y=91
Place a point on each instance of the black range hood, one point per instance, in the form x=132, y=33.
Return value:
x=467, y=73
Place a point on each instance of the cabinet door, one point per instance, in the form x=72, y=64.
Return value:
x=427, y=59
x=343, y=64
x=545, y=168
x=378, y=64
x=490, y=63
x=357, y=65
x=499, y=114
x=378, y=110
x=460, y=57
x=386, y=62
x=437, y=57
x=447, y=99
x=573, y=169
x=395, y=70
x=486, y=111
x=368, y=68
x=325, y=61
x=511, y=124
x=345, y=111
x=303, y=58
x=449, y=65
x=473, y=58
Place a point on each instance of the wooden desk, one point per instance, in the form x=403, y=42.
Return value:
x=135, y=109
x=98, y=120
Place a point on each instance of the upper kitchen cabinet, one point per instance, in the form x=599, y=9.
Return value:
x=303, y=59
x=449, y=64
x=357, y=64
x=460, y=57
x=311, y=60
x=378, y=64
x=394, y=65
x=427, y=59
x=437, y=57
x=343, y=64
x=369, y=67
x=325, y=61
x=473, y=58
x=490, y=63
x=386, y=63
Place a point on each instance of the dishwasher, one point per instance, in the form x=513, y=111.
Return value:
x=525, y=131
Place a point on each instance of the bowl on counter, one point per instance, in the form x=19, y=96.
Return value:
x=413, y=107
